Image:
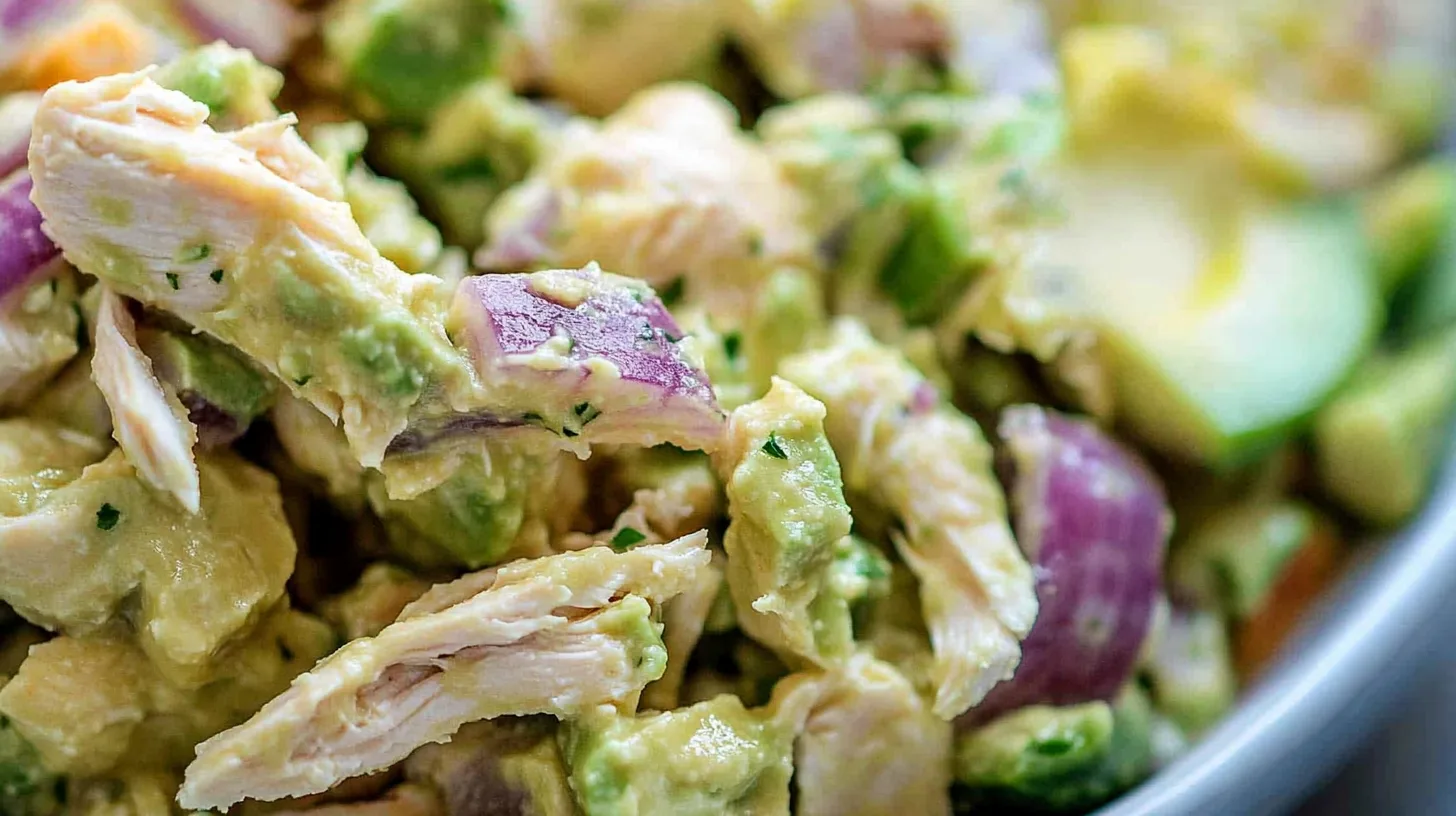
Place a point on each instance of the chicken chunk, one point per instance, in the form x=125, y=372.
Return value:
x=668, y=190
x=788, y=512
x=928, y=465
x=555, y=635
x=229, y=232
x=147, y=419
x=683, y=620
x=867, y=716
x=85, y=542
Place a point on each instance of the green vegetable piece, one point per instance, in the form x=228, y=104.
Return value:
x=107, y=517
x=1234, y=559
x=406, y=57
x=383, y=207
x=1407, y=217
x=861, y=575
x=786, y=498
x=725, y=760
x=1191, y=672
x=473, y=147
x=934, y=259
x=201, y=368
x=1058, y=759
x=1377, y=444
x=26, y=787
x=236, y=88
x=627, y=538
x=1209, y=358
x=469, y=520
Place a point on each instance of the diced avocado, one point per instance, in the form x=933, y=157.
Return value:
x=1428, y=301
x=236, y=88
x=383, y=207
x=1224, y=323
x=788, y=315
x=1058, y=759
x=935, y=259
x=406, y=57
x=26, y=787
x=1234, y=559
x=1407, y=217
x=985, y=191
x=1191, y=671
x=786, y=497
x=861, y=575
x=724, y=759
x=475, y=146
x=1378, y=442
x=373, y=602
x=204, y=369
x=470, y=520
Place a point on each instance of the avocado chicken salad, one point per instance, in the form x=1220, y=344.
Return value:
x=830, y=407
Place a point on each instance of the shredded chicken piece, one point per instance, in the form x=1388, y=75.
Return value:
x=931, y=467
x=553, y=635
x=147, y=419
x=683, y=620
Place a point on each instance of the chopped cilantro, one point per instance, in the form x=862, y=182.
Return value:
x=673, y=292
x=732, y=341
x=755, y=244
x=216, y=276
x=107, y=517
x=773, y=448
x=198, y=253
x=586, y=412
x=172, y=280
x=284, y=652
x=302, y=381
x=627, y=538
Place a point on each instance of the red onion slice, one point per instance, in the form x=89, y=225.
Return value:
x=1093, y=520
x=24, y=249
x=268, y=28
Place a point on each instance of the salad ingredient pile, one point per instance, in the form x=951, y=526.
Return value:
x=546, y=407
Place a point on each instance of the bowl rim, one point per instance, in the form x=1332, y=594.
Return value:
x=1315, y=706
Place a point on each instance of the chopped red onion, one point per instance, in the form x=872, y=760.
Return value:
x=590, y=355
x=1093, y=520
x=23, y=247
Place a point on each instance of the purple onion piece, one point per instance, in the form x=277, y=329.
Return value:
x=593, y=356
x=24, y=249
x=1093, y=520
x=268, y=28
x=421, y=434
x=524, y=242
x=20, y=17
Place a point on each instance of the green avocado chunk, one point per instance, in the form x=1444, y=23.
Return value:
x=236, y=88
x=715, y=758
x=1223, y=324
x=1058, y=759
x=1378, y=442
x=26, y=787
x=786, y=497
x=204, y=369
x=406, y=57
x=1406, y=218
x=1234, y=559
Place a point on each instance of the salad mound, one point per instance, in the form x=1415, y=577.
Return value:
x=638, y=407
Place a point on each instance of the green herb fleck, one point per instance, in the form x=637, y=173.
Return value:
x=302, y=381
x=627, y=538
x=216, y=276
x=570, y=433
x=285, y=652
x=172, y=280
x=586, y=412
x=198, y=253
x=732, y=343
x=755, y=245
x=107, y=517
x=673, y=292
x=773, y=448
